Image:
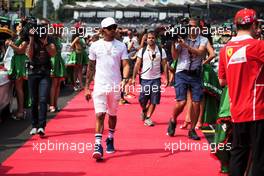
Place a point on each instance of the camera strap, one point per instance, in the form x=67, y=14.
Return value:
x=142, y=54
x=190, y=54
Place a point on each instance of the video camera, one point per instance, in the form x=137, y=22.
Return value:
x=31, y=23
x=27, y=24
x=178, y=31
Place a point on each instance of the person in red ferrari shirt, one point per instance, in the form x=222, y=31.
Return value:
x=241, y=68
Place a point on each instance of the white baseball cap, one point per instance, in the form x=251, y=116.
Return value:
x=107, y=22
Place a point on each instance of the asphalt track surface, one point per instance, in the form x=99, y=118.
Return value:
x=13, y=134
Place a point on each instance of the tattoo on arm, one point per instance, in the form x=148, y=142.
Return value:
x=90, y=73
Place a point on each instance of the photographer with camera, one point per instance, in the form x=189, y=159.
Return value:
x=189, y=53
x=41, y=49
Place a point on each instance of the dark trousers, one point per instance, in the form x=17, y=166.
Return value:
x=247, y=137
x=39, y=85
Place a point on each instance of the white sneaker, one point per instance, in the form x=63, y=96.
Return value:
x=33, y=131
x=75, y=88
x=148, y=122
x=41, y=132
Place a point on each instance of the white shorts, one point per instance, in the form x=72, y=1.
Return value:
x=106, y=102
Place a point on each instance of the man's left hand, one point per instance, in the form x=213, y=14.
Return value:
x=87, y=94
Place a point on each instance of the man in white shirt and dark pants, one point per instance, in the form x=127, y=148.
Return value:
x=106, y=58
x=151, y=57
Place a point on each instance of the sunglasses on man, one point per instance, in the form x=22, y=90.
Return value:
x=111, y=27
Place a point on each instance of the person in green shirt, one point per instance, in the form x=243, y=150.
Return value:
x=17, y=71
x=78, y=58
x=57, y=69
x=223, y=132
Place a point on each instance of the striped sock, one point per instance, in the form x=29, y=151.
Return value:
x=111, y=133
x=98, y=138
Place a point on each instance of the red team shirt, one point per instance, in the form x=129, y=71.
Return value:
x=241, y=64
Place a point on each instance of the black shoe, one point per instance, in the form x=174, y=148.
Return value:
x=110, y=145
x=192, y=135
x=57, y=109
x=171, y=128
x=143, y=116
x=98, y=152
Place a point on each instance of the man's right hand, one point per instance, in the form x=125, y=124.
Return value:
x=144, y=38
x=182, y=43
x=88, y=94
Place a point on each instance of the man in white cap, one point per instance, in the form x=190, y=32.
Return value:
x=106, y=56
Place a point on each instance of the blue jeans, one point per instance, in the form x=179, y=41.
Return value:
x=39, y=85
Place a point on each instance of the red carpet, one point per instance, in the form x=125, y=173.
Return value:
x=140, y=149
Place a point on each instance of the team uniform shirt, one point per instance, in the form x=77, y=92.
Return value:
x=108, y=56
x=151, y=67
x=241, y=64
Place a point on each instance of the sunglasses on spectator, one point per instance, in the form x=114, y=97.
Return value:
x=111, y=27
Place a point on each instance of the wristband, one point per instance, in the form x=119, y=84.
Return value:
x=125, y=79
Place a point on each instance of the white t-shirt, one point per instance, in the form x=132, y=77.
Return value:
x=108, y=56
x=151, y=69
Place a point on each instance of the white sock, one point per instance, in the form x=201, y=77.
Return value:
x=111, y=133
x=98, y=138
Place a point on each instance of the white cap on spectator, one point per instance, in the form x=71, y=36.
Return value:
x=107, y=22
